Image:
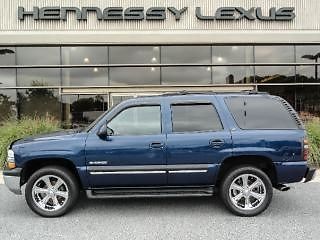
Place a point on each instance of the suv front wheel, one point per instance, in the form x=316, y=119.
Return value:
x=246, y=191
x=52, y=191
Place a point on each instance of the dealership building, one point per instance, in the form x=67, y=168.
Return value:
x=75, y=59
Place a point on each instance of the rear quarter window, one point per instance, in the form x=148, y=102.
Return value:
x=261, y=112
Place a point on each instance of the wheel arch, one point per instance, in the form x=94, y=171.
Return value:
x=33, y=165
x=263, y=163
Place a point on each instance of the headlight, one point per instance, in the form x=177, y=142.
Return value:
x=10, y=159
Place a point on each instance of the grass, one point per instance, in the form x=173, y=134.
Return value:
x=313, y=128
x=11, y=130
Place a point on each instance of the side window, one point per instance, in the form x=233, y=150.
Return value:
x=139, y=120
x=195, y=118
x=258, y=112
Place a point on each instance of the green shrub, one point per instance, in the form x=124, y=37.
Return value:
x=313, y=128
x=11, y=130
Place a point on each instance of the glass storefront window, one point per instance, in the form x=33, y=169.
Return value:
x=7, y=56
x=85, y=76
x=274, y=54
x=308, y=54
x=307, y=74
x=8, y=99
x=275, y=74
x=7, y=77
x=38, y=55
x=232, y=54
x=134, y=54
x=186, y=75
x=28, y=77
x=84, y=55
x=186, y=54
x=232, y=75
x=286, y=92
x=308, y=101
x=39, y=103
x=134, y=76
x=81, y=110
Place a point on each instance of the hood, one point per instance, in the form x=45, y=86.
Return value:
x=47, y=137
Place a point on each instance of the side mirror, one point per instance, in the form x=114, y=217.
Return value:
x=105, y=131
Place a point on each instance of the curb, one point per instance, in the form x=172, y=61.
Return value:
x=316, y=178
x=1, y=178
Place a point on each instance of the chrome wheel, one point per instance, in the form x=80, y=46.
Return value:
x=50, y=193
x=247, y=192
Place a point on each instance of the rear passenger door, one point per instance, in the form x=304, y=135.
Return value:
x=197, y=141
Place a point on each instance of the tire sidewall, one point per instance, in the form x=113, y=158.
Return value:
x=233, y=174
x=67, y=177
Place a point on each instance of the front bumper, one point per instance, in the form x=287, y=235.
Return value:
x=309, y=174
x=12, y=180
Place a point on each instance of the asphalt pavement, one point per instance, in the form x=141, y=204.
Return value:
x=291, y=215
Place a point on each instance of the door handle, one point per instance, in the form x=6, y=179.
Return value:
x=157, y=145
x=216, y=143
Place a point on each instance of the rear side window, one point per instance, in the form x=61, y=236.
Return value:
x=195, y=118
x=260, y=113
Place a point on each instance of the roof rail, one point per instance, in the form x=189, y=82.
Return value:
x=184, y=92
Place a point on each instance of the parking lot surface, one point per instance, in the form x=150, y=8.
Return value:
x=291, y=215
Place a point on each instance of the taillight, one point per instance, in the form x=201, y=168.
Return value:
x=305, y=149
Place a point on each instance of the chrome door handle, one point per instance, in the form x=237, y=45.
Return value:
x=216, y=143
x=157, y=145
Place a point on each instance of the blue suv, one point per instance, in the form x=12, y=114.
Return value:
x=240, y=145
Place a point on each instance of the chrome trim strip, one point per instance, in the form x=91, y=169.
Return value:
x=127, y=172
x=149, y=167
x=188, y=171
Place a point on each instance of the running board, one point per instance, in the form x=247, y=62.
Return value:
x=150, y=192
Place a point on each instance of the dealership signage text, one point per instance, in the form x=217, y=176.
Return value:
x=156, y=13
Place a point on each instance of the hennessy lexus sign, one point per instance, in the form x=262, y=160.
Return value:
x=156, y=13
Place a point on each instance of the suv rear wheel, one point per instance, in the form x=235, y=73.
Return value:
x=246, y=191
x=52, y=191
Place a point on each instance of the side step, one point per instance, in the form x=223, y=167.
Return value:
x=150, y=192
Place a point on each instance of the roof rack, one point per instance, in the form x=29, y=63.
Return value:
x=249, y=92
x=181, y=93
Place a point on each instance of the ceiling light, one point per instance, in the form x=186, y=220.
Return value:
x=154, y=60
x=86, y=60
x=220, y=59
x=153, y=69
x=95, y=70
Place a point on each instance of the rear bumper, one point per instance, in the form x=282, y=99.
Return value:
x=12, y=180
x=291, y=172
x=309, y=174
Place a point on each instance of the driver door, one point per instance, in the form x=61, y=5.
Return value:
x=134, y=155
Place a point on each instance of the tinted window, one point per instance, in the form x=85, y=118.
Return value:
x=195, y=118
x=84, y=55
x=38, y=55
x=134, y=55
x=274, y=54
x=186, y=54
x=142, y=120
x=232, y=54
x=186, y=75
x=260, y=113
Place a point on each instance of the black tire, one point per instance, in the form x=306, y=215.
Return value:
x=234, y=174
x=69, y=179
